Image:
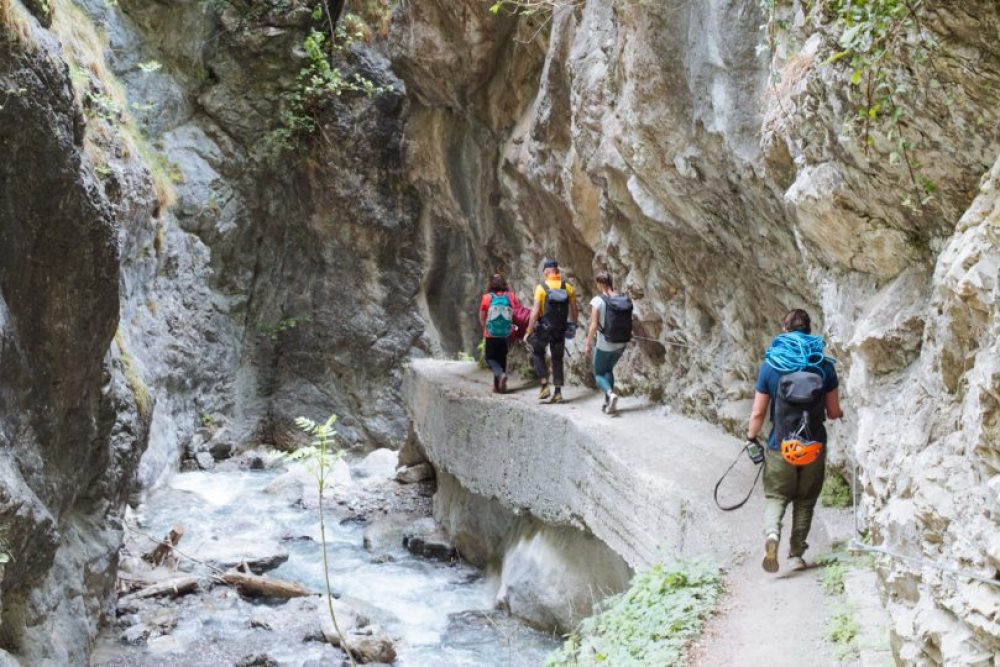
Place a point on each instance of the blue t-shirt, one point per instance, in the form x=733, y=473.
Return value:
x=767, y=383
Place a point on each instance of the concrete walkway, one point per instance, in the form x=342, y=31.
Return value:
x=642, y=483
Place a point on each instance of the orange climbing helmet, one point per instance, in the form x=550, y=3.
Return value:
x=799, y=452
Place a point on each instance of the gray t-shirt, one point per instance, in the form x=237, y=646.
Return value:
x=598, y=303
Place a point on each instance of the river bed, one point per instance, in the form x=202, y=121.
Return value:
x=437, y=613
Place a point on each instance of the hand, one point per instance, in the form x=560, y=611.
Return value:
x=587, y=348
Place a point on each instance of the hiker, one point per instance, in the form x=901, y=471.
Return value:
x=611, y=323
x=496, y=313
x=799, y=384
x=553, y=320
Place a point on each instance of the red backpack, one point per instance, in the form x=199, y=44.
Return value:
x=522, y=315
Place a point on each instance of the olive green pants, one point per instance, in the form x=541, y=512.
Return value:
x=798, y=485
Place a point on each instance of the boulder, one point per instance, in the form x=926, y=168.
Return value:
x=379, y=465
x=428, y=540
x=221, y=449
x=204, y=460
x=415, y=473
x=372, y=648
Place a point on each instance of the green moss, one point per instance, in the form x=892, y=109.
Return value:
x=836, y=491
x=140, y=391
x=649, y=624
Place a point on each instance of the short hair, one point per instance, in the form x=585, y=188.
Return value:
x=498, y=283
x=604, y=278
x=797, y=320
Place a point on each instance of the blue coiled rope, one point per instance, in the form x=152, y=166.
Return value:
x=797, y=351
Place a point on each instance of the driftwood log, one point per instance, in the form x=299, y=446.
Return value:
x=260, y=586
x=165, y=548
x=170, y=587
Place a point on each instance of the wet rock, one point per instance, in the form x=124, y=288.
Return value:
x=415, y=473
x=372, y=648
x=204, y=460
x=426, y=539
x=549, y=576
x=257, y=660
x=386, y=533
x=221, y=449
x=260, y=555
x=136, y=634
x=197, y=443
x=379, y=465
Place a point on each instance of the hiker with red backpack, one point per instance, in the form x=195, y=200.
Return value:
x=799, y=384
x=553, y=320
x=611, y=324
x=496, y=313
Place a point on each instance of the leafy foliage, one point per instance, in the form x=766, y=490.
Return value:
x=273, y=331
x=844, y=632
x=881, y=42
x=529, y=7
x=321, y=82
x=836, y=491
x=649, y=624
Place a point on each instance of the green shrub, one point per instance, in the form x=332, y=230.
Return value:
x=836, y=491
x=649, y=624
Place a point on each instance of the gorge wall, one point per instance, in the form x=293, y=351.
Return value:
x=166, y=283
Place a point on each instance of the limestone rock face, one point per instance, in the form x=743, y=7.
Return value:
x=70, y=429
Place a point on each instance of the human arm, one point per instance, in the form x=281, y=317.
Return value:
x=758, y=414
x=833, y=409
x=533, y=320
x=595, y=316
x=483, y=309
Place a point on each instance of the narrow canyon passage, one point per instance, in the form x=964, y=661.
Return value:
x=222, y=219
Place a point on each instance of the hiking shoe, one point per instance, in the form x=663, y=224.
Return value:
x=770, y=563
x=612, y=403
x=503, y=383
x=798, y=563
x=544, y=392
x=557, y=396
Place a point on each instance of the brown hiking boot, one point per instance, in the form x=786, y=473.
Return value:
x=770, y=563
x=503, y=383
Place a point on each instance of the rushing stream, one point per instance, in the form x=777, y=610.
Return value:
x=437, y=613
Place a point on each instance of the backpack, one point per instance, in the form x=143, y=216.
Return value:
x=556, y=308
x=617, y=319
x=799, y=408
x=500, y=316
x=522, y=316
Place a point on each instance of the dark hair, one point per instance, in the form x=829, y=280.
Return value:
x=604, y=278
x=797, y=320
x=498, y=283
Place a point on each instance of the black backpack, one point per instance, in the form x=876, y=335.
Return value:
x=556, y=309
x=617, y=319
x=799, y=408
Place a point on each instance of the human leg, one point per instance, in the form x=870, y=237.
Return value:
x=557, y=347
x=810, y=485
x=495, y=356
x=538, y=345
x=602, y=370
x=779, y=489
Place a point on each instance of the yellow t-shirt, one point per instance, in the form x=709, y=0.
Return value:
x=554, y=282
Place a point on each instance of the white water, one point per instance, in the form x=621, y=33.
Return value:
x=415, y=600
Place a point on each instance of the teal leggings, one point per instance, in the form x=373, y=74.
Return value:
x=604, y=366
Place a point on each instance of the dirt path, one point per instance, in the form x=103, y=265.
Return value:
x=765, y=620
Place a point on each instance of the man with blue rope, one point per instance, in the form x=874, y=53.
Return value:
x=798, y=382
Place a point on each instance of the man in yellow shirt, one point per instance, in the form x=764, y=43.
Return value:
x=553, y=319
